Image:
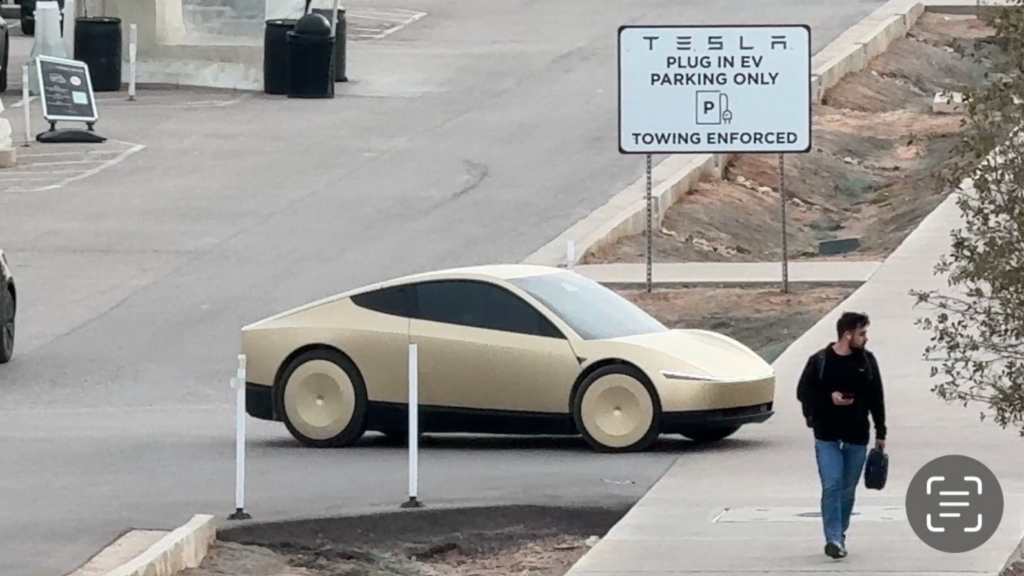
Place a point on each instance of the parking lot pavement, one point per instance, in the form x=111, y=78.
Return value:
x=43, y=168
x=137, y=279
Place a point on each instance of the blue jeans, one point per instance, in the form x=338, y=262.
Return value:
x=839, y=468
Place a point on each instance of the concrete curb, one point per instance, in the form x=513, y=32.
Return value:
x=730, y=274
x=626, y=213
x=184, y=547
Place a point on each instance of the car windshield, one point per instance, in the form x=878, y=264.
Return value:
x=592, y=310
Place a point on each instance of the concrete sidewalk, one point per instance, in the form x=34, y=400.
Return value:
x=750, y=504
x=696, y=273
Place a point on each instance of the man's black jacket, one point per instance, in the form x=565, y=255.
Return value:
x=862, y=377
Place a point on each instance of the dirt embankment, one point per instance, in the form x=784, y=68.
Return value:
x=871, y=175
x=765, y=319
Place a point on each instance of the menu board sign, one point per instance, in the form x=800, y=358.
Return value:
x=66, y=90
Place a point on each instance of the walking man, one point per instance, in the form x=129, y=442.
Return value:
x=840, y=387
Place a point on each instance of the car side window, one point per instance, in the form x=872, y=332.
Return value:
x=480, y=305
x=395, y=301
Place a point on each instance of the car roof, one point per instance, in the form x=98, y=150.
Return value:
x=501, y=272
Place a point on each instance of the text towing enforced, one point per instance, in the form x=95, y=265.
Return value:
x=715, y=138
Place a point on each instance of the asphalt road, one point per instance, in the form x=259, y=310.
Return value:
x=477, y=134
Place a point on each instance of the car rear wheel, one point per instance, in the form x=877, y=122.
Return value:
x=7, y=314
x=617, y=410
x=706, y=435
x=323, y=399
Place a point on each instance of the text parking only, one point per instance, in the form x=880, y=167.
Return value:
x=714, y=89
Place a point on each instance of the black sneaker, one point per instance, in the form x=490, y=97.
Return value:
x=834, y=550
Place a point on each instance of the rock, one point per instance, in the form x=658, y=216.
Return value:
x=764, y=190
x=703, y=244
x=849, y=160
x=741, y=180
x=592, y=541
x=8, y=157
x=8, y=154
x=947, y=102
x=826, y=224
x=838, y=246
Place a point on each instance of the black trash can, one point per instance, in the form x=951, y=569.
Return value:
x=311, y=58
x=275, y=55
x=340, y=41
x=98, y=44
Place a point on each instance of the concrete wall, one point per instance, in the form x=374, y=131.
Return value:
x=210, y=43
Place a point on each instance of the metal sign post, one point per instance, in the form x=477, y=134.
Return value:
x=785, y=249
x=650, y=227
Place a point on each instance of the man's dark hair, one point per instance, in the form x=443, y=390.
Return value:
x=851, y=321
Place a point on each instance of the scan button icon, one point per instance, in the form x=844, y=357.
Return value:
x=954, y=504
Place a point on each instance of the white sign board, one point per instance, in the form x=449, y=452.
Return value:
x=714, y=89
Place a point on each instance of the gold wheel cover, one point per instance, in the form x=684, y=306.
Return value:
x=319, y=399
x=617, y=411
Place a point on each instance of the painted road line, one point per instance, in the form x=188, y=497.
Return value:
x=22, y=180
x=69, y=153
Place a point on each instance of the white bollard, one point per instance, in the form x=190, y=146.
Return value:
x=570, y=254
x=133, y=48
x=414, y=425
x=70, y=14
x=48, y=40
x=25, y=105
x=334, y=19
x=238, y=383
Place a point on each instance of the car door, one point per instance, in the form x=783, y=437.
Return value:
x=480, y=346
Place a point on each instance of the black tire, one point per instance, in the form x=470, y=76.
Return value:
x=654, y=428
x=709, y=435
x=356, y=425
x=8, y=312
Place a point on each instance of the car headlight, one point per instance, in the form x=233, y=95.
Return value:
x=679, y=375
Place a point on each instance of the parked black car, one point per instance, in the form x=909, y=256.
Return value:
x=5, y=54
x=8, y=309
x=28, y=16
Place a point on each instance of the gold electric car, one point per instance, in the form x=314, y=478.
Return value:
x=501, y=349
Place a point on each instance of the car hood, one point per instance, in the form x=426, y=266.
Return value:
x=711, y=353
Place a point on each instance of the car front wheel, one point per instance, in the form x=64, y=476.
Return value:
x=616, y=409
x=323, y=399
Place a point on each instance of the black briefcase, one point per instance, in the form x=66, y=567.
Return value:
x=876, y=469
